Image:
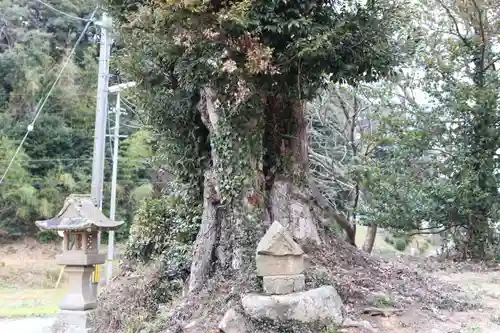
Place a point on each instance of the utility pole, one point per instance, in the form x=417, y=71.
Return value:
x=100, y=123
x=116, y=141
x=101, y=110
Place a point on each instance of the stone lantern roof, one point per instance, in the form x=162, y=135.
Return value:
x=79, y=213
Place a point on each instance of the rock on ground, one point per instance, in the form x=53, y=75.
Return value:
x=317, y=305
x=233, y=322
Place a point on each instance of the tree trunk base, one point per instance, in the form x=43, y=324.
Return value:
x=220, y=304
x=370, y=239
x=217, y=247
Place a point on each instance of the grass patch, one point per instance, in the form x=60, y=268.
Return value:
x=385, y=243
x=28, y=276
x=15, y=303
x=381, y=301
x=379, y=245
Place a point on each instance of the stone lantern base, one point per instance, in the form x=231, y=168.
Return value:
x=78, y=305
x=80, y=296
x=72, y=322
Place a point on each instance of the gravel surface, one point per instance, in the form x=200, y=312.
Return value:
x=25, y=325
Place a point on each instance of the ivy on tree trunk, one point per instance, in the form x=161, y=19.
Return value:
x=245, y=189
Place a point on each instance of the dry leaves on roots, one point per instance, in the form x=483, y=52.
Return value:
x=363, y=280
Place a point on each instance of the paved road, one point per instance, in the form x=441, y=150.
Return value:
x=26, y=325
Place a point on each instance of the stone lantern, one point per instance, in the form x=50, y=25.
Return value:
x=79, y=221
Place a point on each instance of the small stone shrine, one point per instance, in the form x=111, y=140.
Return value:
x=80, y=221
x=280, y=261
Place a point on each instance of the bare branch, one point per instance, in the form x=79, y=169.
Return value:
x=456, y=25
x=481, y=31
x=430, y=231
x=342, y=221
x=492, y=63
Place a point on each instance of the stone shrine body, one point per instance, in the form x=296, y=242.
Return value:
x=280, y=262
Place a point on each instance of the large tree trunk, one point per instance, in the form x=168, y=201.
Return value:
x=289, y=195
x=258, y=174
x=371, y=235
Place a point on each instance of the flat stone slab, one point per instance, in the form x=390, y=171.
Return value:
x=72, y=322
x=283, y=284
x=316, y=305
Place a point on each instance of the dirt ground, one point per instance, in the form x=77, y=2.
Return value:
x=29, y=267
x=35, y=263
x=28, y=264
x=481, y=287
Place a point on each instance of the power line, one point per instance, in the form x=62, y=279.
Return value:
x=132, y=108
x=127, y=125
x=83, y=159
x=64, y=13
x=129, y=103
x=42, y=104
x=57, y=181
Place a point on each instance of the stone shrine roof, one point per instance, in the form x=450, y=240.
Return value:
x=79, y=213
x=278, y=242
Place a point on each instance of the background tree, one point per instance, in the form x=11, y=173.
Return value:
x=342, y=124
x=467, y=85
x=439, y=175
x=34, y=41
x=19, y=199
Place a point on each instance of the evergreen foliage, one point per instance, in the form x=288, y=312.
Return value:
x=440, y=176
x=56, y=158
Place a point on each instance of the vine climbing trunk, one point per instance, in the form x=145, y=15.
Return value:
x=257, y=174
x=232, y=194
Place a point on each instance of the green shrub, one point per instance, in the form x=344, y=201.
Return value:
x=165, y=225
x=164, y=229
x=46, y=236
x=381, y=300
x=400, y=244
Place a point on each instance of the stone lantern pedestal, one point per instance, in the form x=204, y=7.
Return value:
x=80, y=221
x=79, y=296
